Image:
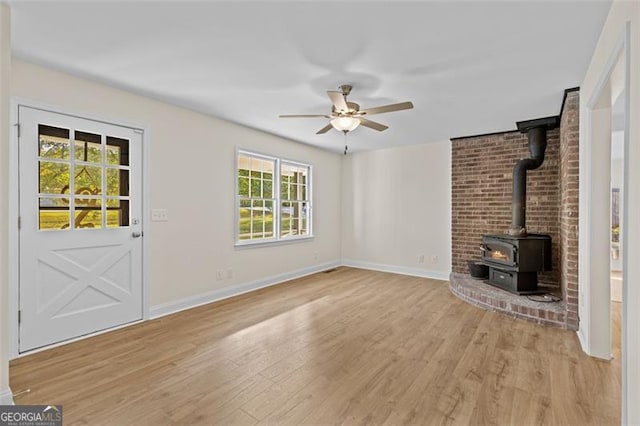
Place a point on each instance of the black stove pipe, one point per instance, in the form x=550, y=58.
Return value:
x=537, y=134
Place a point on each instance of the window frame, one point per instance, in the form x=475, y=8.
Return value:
x=277, y=238
x=78, y=142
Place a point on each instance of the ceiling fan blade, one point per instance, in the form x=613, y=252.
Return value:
x=387, y=108
x=303, y=116
x=372, y=124
x=338, y=101
x=325, y=129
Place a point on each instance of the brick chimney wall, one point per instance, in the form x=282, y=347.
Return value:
x=481, y=185
x=569, y=133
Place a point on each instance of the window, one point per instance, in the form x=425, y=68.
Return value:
x=83, y=180
x=273, y=199
x=615, y=215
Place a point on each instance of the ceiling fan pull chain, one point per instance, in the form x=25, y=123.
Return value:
x=345, y=142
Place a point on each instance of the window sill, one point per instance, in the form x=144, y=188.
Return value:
x=255, y=244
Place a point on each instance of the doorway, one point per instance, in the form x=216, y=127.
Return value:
x=80, y=227
x=606, y=109
x=617, y=219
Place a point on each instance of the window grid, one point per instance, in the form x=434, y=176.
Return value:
x=294, y=203
x=273, y=198
x=256, y=199
x=83, y=158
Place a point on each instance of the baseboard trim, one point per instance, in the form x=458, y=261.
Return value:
x=6, y=397
x=587, y=350
x=169, y=308
x=581, y=339
x=395, y=269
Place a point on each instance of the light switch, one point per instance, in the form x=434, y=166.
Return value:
x=159, y=215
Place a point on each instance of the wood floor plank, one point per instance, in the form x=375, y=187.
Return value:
x=347, y=347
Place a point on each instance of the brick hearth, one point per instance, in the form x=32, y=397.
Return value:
x=494, y=299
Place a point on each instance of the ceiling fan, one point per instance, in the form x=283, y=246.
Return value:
x=346, y=116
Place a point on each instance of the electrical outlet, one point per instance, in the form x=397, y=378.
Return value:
x=434, y=259
x=421, y=258
x=315, y=255
x=159, y=215
x=219, y=274
x=229, y=273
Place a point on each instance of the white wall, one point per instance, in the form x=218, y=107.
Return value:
x=397, y=207
x=621, y=15
x=192, y=175
x=5, y=73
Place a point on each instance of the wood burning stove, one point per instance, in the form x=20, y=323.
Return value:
x=514, y=262
x=514, y=259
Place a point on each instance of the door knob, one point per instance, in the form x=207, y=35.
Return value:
x=136, y=234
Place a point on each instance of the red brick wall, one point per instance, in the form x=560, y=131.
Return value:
x=481, y=183
x=569, y=130
x=481, y=186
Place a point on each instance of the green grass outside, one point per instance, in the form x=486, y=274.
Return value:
x=51, y=219
x=258, y=221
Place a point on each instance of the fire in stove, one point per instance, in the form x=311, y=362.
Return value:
x=497, y=254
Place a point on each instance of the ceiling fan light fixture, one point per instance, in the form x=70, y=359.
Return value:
x=345, y=124
x=347, y=116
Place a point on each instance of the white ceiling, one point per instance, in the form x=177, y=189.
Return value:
x=469, y=67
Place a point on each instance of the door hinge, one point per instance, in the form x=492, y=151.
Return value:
x=18, y=127
x=19, y=222
x=19, y=316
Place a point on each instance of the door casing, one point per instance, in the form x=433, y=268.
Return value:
x=13, y=199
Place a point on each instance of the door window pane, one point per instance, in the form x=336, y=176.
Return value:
x=117, y=182
x=88, y=180
x=117, y=151
x=53, y=142
x=53, y=177
x=117, y=213
x=88, y=213
x=88, y=147
x=53, y=213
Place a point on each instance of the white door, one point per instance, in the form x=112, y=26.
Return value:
x=80, y=226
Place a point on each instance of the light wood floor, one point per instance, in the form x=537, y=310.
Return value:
x=350, y=346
